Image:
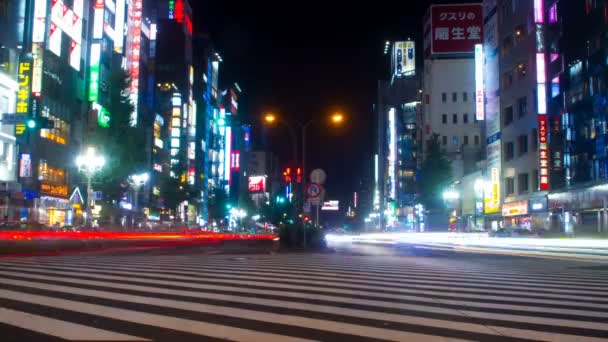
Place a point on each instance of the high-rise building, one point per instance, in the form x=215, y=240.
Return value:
x=448, y=84
x=528, y=59
x=397, y=109
x=174, y=102
x=577, y=109
x=51, y=71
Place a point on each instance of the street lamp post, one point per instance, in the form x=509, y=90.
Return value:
x=136, y=182
x=336, y=119
x=89, y=163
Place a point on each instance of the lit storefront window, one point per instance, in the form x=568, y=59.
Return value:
x=51, y=174
x=59, y=133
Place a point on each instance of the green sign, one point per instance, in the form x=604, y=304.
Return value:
x=103, y=118
x=94, y=83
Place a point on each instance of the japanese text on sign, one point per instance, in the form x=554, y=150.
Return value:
x=23, y=94
x=456, y=28
x=543, y=152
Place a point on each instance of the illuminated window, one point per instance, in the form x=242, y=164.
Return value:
x=49, y=174
x=175, y=122
x=59, y=133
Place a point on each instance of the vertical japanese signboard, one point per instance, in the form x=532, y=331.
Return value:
x=541, y=97
x=491, y=85
x=543, y=151
x=25, y=83
x=456, y=28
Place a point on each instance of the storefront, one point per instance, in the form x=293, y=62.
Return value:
x=580, y=210
x=515, y=214
x=528, y=214
x=53, y=205
x=54, y=211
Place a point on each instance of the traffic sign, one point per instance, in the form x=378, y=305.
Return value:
x=313, y=190
x=318, y=176
x=12, y=118
x=20, y=129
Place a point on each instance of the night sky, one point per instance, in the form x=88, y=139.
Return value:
x=308, y=60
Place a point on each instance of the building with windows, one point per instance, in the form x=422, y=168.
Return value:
x=527, y=63
x=397, y=110
x=175, y=104
x=577, y=111
x=448, y=84
x=449, y=102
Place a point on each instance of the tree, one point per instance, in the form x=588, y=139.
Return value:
x=435, y=174
x=218, y=202
x=122, y=144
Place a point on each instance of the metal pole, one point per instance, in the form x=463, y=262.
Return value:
x=304, y=177
x=318, y=205
x=88, y=220
x=135, y=204
x=605, y=203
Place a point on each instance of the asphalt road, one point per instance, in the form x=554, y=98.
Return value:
x=246, y=292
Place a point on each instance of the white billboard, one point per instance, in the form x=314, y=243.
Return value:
x=492, y=110
x=404, y=59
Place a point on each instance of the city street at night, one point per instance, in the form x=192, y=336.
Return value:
x=252, y=294
x=187, y=170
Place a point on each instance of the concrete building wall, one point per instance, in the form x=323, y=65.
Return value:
x=517, y=100
x=449, y=110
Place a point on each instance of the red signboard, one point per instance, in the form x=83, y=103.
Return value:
x=257, y=184
x=456, y=28
x=235, y=161
x=543, y=151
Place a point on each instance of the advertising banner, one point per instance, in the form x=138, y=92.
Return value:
x=456, y=28
x=491, y=109
x=404, y=59
x=543, y=151
x=257, y=184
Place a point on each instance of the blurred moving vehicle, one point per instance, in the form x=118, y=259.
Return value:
x=513, y=232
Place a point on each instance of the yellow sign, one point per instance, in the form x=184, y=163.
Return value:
x=59, y=190
x=515, y=208
x=23, y=94
x=19, y=129
x=492, y=195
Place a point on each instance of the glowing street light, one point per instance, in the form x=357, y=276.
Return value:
x=451, y=195
x=337, y=118
x=89, y=163
x=136, y=182
x=270, y=118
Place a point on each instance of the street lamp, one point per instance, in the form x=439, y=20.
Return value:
x=89, y=163
x=136, y=182
x=451, y=195
x=271, y=118
x=337, y=118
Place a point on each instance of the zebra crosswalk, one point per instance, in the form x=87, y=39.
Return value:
x=300, y=297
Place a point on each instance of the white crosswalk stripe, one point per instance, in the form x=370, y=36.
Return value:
x=301, y=297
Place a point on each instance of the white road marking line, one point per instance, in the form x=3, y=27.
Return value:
x=439, y=310
x=59, y=328
x=167, y=322
x=298, y=321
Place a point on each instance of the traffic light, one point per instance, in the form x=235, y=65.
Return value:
x=287, y=175
x=39, y=122
x=299, y=175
